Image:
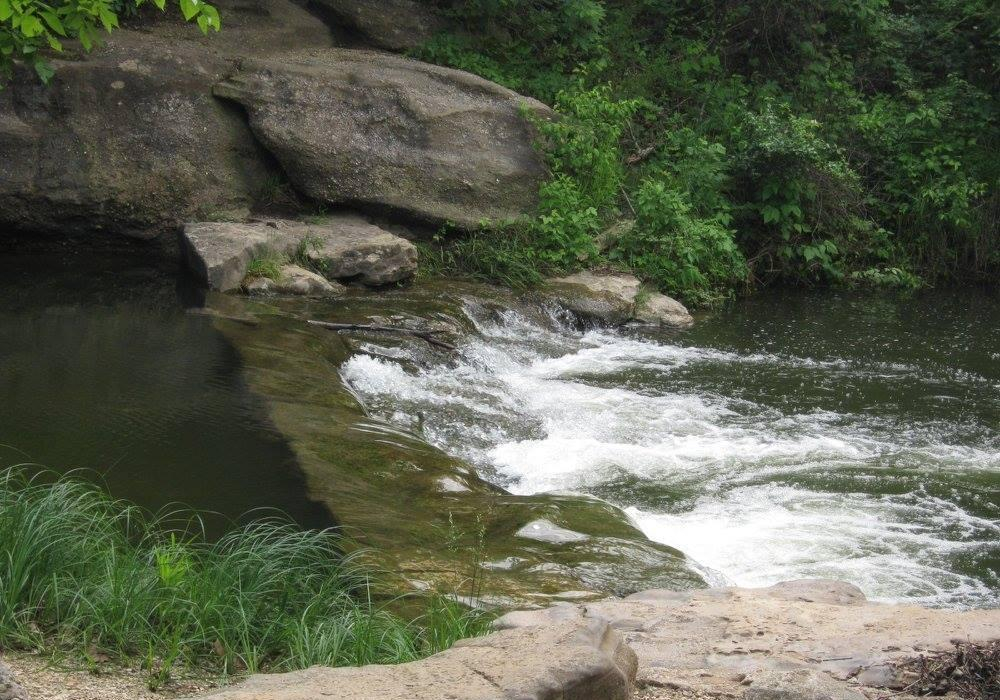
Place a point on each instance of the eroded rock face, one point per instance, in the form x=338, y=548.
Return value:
x=615, y=299
x=130, y=139
x=396, y=25
x=389, y=133
x=341, y=247
x=579, y=659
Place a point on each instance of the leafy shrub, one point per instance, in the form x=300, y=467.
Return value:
x=694, y=258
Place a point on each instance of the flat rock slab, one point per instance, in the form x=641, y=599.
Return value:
x=615, y=299
x=815, y=639
x=379, y=131
x=341, y=247
x=575, y=660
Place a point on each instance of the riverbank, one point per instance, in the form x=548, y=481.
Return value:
x=796, y=640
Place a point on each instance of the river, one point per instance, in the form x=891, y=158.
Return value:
x=790, y=435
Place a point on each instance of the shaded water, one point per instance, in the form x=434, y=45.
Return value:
x=787, y=436
x=102, y=368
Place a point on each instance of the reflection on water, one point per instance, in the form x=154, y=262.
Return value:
x=787, y=436
x=102, y=369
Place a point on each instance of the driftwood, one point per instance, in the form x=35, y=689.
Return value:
x=427, y=336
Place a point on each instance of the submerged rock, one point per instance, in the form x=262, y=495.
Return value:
x=615, y=299
x=389, y=133
x=580, y=659
x=396, y=25
x=296, y=281
x=342, y=247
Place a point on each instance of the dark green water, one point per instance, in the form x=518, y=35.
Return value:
x=104, y=369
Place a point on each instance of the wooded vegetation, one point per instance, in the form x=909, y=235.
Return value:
x=713, y=146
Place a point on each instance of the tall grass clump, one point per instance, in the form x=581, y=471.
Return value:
x=80, y=571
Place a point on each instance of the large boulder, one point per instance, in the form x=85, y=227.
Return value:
x=391, y=134
x=344, y=247
x=615, y=299
x=130, y=139
x=395, y=25
x=579, y=659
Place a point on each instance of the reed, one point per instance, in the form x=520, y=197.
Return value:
x=81, y=571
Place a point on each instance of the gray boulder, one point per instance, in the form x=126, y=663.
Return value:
x=392, y=134
x=342, y=247
x=9, y=688
x=130, y=139
x=615, y=299
x=395, y=25
x=579, y=659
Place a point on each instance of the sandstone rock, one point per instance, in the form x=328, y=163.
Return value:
x=130, y=139
x=580, y=659
x=800, y=684
x=615, y=299
x=297, y=281
x=385, y=132
x=396, y=25
x=547, y=531
x=343, y=247
x=660, y=310
x=348, y=247
x=9, y=688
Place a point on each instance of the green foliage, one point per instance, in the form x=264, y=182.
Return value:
x=81, y=571
x=29, y=29
x=843, y=141
x=682, y=254
x=266, y=264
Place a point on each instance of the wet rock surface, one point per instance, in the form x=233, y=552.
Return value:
x=615, y=299
x=387, y=133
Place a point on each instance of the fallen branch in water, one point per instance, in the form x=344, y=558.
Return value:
x=427, y=336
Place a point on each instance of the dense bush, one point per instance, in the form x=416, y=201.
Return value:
x=819, y=141
x=83, y=573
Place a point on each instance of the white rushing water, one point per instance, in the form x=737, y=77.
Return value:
x=753, y=492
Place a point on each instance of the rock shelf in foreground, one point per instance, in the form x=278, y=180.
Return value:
x=799, y=640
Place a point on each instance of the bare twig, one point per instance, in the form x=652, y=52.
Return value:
x=427, y=336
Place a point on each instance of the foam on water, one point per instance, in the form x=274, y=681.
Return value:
x=752, y=492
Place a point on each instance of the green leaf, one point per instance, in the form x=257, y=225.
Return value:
x=55, y=24
x=44, y=71
x=31, y=26
x=5, y=10
x=190, y=8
